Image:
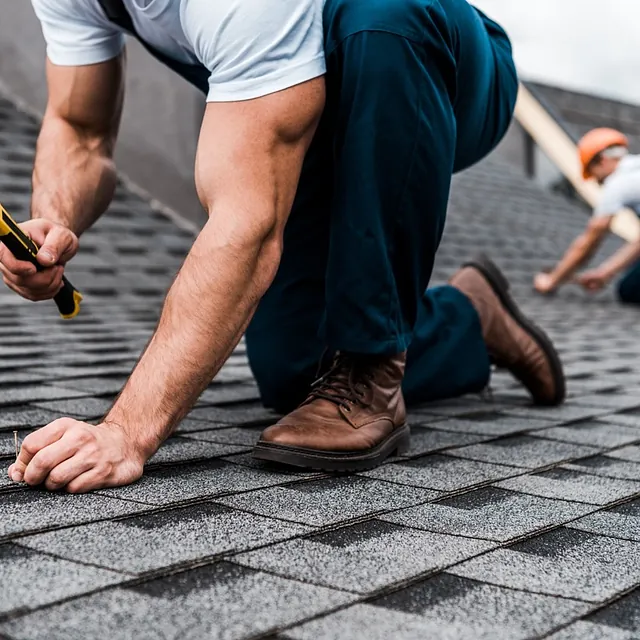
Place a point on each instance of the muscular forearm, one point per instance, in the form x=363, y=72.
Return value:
x=204, y=316
x=74, y=176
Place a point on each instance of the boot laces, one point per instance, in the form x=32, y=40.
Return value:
x=345, y=384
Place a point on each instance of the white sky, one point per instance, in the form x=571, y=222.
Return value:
x=586, y=45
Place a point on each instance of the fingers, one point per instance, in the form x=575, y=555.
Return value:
x=48, y=458
x=11, y=265
x=67, y=471
x=89, y=481
x=35, y=286
x=36, y=442
x=58, y=246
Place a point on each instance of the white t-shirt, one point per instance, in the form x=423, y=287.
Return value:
x=251, y=47
x=621, y=189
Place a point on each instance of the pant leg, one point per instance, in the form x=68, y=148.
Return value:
x=391, y=130
x=629, y=286
x=447, y=357
x=391, y=83
x=424, y=88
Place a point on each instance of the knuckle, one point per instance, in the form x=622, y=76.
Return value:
x=40, y=461
x=84, y=435
x=78, y=487
x=56, y=478
x=29, y=444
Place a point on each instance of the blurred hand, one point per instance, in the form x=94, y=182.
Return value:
x=593, y=280
x=543, y=283
x=57, y=246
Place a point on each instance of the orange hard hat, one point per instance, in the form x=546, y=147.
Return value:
x=595, y=142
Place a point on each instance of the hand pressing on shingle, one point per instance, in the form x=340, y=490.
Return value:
x=78, y=457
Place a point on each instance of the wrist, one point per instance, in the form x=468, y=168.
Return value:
x=606, y=274
x=141, y=446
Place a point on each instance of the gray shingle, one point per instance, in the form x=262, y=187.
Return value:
x=523, y=451
x=428, y=440
x=188, y=426
x=96, y=385
x=229, y=393
x=441, y=472
x=491, y=514
x=447, y=608
x=247, y=460
x=593, y=433
x=364, y=557
x=565, y=484
x=568, y=412
x=245, y=436
x=31, y=579
x=622, y=521
x=329, y=501
x=216, y=602
x=583, y=630
x=33, y=393
x=176, y=450
x=492, y=423
x=243, y=414
x=31, y=510
x=607, y=466
x=197, y=480
x=153, y=541
x=27, y=416
x=564, y=562
x=630, y=453
x=80, y=408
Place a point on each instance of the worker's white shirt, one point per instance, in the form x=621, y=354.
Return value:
x=251, y=47
x=621, y=189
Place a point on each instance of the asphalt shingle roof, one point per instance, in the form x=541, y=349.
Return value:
x=502, y=521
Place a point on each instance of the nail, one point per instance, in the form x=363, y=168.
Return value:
x=47, y=255
x=17, y=476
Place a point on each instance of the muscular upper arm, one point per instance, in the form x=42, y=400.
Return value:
x=84, y=67
x=89, y=98
x=250, y=155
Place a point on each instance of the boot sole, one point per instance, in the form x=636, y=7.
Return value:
x=396, y=442
x=500, y=286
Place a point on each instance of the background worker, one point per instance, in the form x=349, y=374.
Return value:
x=323, y=224
x=604, y=155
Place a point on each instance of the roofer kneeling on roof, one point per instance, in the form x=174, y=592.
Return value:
x=604, y=155
x=333, y=253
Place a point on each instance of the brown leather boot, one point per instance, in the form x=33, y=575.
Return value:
x=512, y=340
x=353, y=418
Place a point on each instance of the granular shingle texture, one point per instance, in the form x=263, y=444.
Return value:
x=502, y=520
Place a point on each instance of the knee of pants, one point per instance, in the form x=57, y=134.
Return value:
x=407, y=18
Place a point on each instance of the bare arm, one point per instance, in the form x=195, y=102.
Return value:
x=597, y=278
x=74, y=177
x=247, y=169
x=249, y=161
x=580, y=250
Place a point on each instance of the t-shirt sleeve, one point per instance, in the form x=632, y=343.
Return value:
x=612, y=199
x=255, y=47
x=77, y=33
